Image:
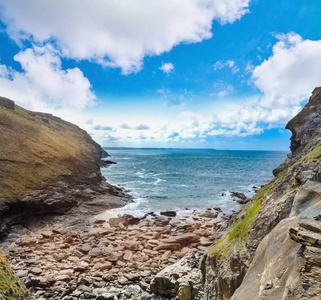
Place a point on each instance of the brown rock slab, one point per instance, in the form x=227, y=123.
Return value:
x=168, y=246
x=131, y=244
x=35, y=271
x=183, y=239
x=128, y=255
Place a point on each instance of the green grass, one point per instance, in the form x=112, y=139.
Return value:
x=237, y=233
x=11, y=287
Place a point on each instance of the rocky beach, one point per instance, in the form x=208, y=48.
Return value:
x=60, y=246
x=119, y=258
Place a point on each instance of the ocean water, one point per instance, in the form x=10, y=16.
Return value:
x=188, y=179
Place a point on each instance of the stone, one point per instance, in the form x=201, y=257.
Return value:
x=60, y=256
x=22, y=273
x=113, y=256
x=209, y=214
x=131, y=244
x=168, y=246
x=103, y=266
x=239, y=197
x=81, y=266
x=85, y=248
x=35, y=271
x=183, y=239
x=166, y=255
x=128, y=255
x=169, y=213
x=63, y=278
x=46, y=234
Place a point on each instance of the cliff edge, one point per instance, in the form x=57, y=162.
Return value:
x=272, y=247
x=49, y=166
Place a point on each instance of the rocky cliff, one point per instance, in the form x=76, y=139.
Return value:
x=272, y=247
x=49, y=166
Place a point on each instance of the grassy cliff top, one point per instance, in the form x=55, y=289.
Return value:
x=38, y=150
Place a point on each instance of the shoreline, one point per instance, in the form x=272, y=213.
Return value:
x=60, y=259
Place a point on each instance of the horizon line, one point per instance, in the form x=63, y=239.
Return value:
x=174, y=148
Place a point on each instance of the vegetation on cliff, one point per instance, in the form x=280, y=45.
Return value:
x=38, y=150
x=261, y=227
x=11, y=287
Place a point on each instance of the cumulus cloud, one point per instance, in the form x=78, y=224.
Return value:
x=290, y=74
x=167, y=67
x=117, y=33
x=43, y=80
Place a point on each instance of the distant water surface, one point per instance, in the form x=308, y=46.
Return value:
x=180, y=179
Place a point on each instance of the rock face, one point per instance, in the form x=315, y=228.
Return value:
x=49, y=166
x=7, y=103
x=272, y=247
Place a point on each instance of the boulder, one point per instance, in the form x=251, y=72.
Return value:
x=183, y=239
x=168, y=246
x=169, y=213
x=239, y=197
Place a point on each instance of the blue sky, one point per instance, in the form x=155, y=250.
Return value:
x=164, y=73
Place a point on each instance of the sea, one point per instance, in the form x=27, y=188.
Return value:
x=186, y=180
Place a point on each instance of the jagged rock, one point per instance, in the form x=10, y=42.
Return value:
x=177, y=276
x=239, y=197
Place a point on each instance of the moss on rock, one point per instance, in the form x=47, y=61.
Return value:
x=38, y=150
x=11, y=286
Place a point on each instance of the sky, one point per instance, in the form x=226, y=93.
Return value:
x=164, y=73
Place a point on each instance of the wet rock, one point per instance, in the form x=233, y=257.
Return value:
x=239, y=197
x=169, y=213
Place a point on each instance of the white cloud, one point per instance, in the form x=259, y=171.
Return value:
x=291, y=72
x=117, y=33
x=44, y=81
x=229, y=64
x=167, y=67
x=226, y=91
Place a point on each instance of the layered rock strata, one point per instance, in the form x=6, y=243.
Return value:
x=271, y=247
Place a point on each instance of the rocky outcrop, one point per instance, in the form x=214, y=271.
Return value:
x=7, y=103
x=305, y=128
x=49, y=166
x=271, y=247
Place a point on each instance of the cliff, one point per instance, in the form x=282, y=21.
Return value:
x=49, y=166
x=272, y=247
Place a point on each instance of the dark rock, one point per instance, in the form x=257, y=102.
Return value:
x=106, y=163
x=168, y=213
x=303, y=126
x=239, y=197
